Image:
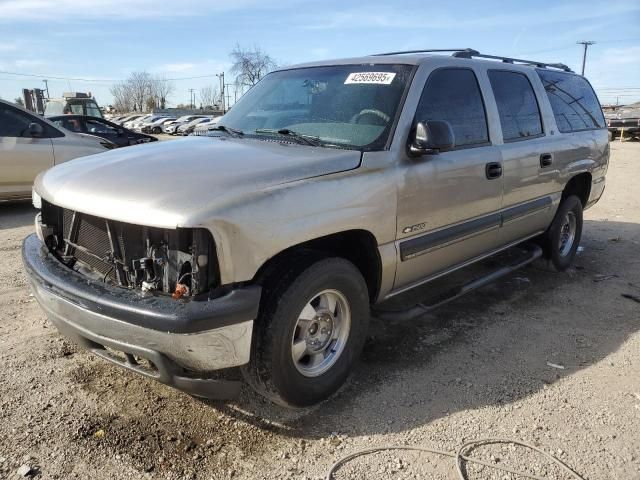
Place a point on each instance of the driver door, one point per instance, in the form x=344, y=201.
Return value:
x=22, y=157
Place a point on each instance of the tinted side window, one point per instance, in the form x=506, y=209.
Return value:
x=13, y=123
x=453, y=95
x=517, y=105
x=94, y=126
x=573, y=101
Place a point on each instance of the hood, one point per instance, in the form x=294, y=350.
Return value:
x=170, y=184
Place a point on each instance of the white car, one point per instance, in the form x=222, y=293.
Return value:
x=172, y=127
x=138, y=124
x=188, y=127
x=155, y=126
x=203, y=127
x=30, y=144
x=130, y=123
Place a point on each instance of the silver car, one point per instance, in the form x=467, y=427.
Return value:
x=30, y=144
x=327, y=190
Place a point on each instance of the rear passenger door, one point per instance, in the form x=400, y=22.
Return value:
x=529, y=169
x=448, y=203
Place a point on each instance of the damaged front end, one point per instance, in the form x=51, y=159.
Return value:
x=180, y=262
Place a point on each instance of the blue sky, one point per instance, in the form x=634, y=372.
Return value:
x=104, y=40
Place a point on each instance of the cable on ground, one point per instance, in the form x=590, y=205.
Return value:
x=460, y=457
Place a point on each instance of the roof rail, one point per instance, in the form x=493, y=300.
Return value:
x=470, y=53
x=405, y=52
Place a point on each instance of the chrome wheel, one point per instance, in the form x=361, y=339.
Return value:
x=567, y=234
x=321, y=333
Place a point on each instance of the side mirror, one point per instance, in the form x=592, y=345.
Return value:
x=35, y=130
x=430, y=137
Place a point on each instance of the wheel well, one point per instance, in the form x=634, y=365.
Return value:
x=358, y=246
x=580, y=185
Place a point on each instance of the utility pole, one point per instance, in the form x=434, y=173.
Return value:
x=221, y=77
x=586, y=44
x=228, y=94
x=191, y=98
x=46, y=86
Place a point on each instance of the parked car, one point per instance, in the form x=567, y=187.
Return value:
x=127, y=118
x=202, y=128
x=137, y=125
x=172, y=127
x=156, y=125
x=30, y=144
x=627, y=122
x=135, y=121
x=188, y=127
x=100, y=127
x=266, y=246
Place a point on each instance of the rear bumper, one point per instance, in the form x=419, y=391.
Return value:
x=178, y=343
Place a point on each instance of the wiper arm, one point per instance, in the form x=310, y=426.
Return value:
x=232, y=131
x=308, y=139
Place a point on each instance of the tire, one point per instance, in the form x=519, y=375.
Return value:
x=324, y=362
x=561, y=240
x=156, y=130
x=612, y=136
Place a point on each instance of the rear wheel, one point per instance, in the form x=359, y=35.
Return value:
x=562, y=239
x=309, y=333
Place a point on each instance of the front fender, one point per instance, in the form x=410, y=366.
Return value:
x=254, y=229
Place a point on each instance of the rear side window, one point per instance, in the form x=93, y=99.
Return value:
x=517, y=105
x=453, y=95
x=573, y=101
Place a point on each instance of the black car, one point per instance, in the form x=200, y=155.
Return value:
x=100, y=127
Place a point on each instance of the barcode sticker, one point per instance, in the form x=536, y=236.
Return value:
x=378, y=78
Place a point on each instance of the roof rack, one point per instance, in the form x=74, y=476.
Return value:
x=471, y=53
x=437, y=50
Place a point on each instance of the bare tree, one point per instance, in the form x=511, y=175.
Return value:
x=250, y=65
x=161, y=89
x=209, y=96
x=141, y=89
x=122, y=97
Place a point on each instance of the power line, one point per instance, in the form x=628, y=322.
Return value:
x=95, y=80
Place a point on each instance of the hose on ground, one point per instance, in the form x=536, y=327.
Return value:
x=460, y=457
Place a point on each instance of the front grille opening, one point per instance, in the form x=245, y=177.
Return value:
x=133, y=256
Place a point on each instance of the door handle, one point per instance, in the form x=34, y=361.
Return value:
x=493, y=170
x=546, y=159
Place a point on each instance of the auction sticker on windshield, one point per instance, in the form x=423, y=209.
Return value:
x=378, y=78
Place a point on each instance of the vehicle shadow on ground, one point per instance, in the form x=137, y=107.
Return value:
x=16, y=214
x=491, y=347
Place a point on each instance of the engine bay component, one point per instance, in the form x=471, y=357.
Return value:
x=132, y=256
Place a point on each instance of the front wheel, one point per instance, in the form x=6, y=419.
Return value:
x=562, y=239
x=309, y=333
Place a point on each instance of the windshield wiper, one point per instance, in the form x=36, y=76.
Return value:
x=307, y=139
x=231, y=131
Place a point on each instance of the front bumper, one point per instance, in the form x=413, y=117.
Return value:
x=179, y=343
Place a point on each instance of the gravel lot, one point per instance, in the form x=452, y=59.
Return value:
x=475, y=368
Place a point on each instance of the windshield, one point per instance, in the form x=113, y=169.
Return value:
x=351, y=106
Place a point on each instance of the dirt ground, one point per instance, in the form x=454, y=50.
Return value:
x=476, y=368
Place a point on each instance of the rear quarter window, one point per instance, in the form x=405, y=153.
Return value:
x=573, y=101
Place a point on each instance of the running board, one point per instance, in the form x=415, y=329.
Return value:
x=531, y=252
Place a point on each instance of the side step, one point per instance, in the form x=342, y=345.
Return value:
x=527, y=254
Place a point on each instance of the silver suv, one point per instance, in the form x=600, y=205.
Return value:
x=327, y=189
